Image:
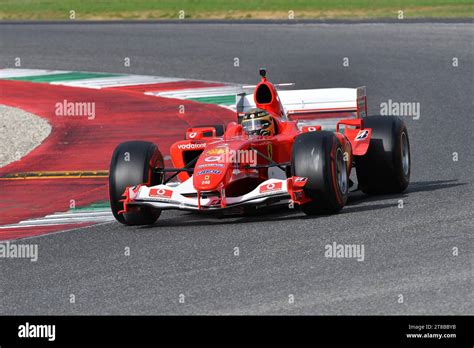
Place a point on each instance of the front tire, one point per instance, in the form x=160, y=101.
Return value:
x=385, y=168
x=319, y=156
x=132, y=163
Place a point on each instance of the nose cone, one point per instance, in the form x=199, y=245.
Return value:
x=211, y=169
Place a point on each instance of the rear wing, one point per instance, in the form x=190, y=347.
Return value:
x=314, y=104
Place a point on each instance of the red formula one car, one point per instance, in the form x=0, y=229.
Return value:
x=294, y=147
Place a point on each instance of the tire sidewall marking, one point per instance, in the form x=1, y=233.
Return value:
x=335, y=185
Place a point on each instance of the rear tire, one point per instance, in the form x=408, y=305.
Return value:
x=319, y=156
x=131, y=165
x=385, y=168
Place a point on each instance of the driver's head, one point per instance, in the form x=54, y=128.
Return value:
x=258, y=122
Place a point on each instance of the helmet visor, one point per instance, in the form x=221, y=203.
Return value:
x=254, y=125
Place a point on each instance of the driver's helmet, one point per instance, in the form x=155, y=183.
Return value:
x=258, y=122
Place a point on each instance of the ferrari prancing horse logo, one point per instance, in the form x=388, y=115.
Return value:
x=270, y=150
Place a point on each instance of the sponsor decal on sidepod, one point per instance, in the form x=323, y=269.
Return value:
x=205, y=165
x=209, y=171
x=213, y=158
x=216, y=151
x=192, y=146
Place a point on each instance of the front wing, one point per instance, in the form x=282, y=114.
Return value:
x=185, y=197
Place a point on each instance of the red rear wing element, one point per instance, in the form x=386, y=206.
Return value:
x=359, y=137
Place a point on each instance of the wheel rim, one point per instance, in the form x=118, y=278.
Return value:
x=341, y=171
x=405, y=155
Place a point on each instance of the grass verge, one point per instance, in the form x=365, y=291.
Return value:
x=231, y=9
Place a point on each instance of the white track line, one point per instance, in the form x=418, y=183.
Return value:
x=10, y=73
x=116, y=81
x=65, y=219
x=76, y=215
x=198, y=92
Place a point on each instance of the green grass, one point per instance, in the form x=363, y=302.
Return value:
x=169, y=9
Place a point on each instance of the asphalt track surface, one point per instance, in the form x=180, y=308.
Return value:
x=408, y=251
